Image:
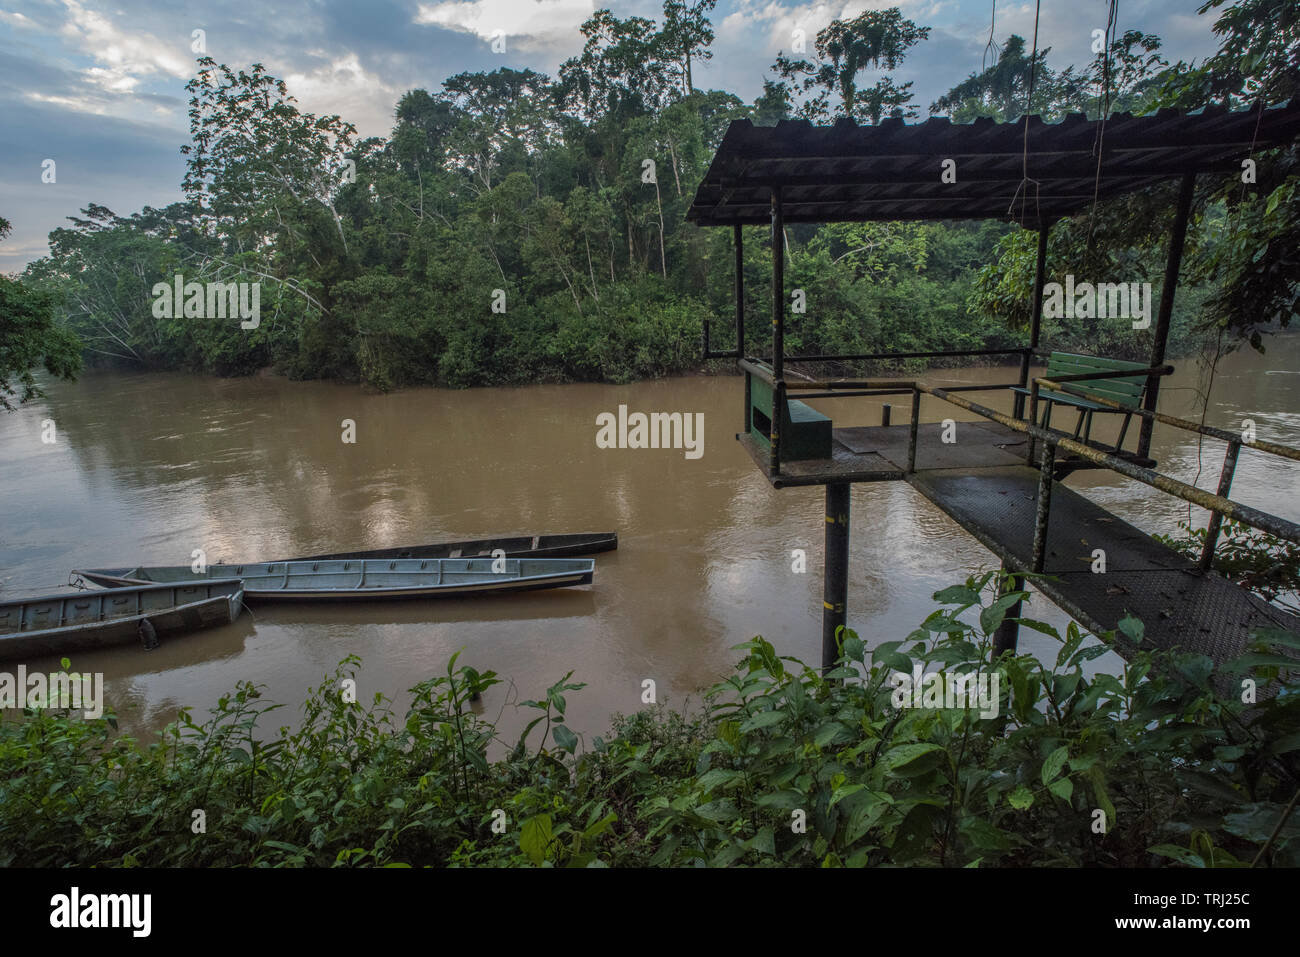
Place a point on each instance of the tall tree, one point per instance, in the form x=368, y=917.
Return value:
x=877, y=39
x=257, y=165
x=30, y=339
x=625, y=68
x=501, y=119
x=1002, y=90
x=1255, y=265
x=687, y=34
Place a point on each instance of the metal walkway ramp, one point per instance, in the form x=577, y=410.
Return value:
x=1178, y=604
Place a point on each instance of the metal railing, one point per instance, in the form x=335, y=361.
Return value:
x=1054, y=440
x=1219, y=505
x=1234, y=440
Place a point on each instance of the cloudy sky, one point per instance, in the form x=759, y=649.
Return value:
x=98, y=86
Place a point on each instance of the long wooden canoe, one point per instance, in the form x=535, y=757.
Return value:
x=75, y=621
x=519, y=546
x=367, y=579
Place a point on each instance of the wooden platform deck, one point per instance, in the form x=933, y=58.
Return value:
x=879, y=453
x=1177, y=603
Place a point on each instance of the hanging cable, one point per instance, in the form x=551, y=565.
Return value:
x=1029, y=107
x=991, y=46
x=1103, y=112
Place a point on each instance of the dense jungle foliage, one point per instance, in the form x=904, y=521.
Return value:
x=784, y=767
x=516, y=227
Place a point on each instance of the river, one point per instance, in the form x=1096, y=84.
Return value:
x=146, y=468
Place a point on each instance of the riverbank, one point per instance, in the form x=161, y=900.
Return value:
x=784, y=768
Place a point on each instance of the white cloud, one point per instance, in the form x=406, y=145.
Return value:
x=776, y=22
x=123, y=57
x=82, y=104
x=344, y=87
x=17, y=19
x=541, y=21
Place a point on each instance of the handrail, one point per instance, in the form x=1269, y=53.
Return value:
x=812, y=384
x=1245, y=514
x=990, y=387
x=763, y=371
x=932, y=354
x=1108, y=374
x=1208, y=430
x=719, y=353
x=1219, y=504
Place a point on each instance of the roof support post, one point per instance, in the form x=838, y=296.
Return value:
x=1160, y=337
x=738, y=242
x=778, y=286
x=1036, y=322
x=740, y=291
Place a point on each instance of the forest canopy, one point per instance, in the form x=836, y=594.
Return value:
x=517, y=227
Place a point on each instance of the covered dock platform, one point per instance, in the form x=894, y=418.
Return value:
x=1002, y=479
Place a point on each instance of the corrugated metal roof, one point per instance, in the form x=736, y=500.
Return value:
x=1028, y=173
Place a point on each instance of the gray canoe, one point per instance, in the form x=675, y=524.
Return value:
x=518, y=546
x=367, y=579
x=76, y=621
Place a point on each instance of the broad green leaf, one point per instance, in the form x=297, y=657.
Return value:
x=763, y=719
x=535, y=837
x=716, y=779
x=1062, y=788
x=763, y=842
x=786, y=800
x=828, y=733
x=957, y=595
x=911, y=759
x=1055, y=761
x=842, y=792
x=566, y=739
x=1132, y=629
x=1180, y=854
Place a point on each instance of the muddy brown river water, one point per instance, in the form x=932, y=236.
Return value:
x=148, y=467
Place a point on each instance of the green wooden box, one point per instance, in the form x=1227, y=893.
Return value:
x=805, y=433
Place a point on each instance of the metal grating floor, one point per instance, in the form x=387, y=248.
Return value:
x=1178, y=605
x=879, y=453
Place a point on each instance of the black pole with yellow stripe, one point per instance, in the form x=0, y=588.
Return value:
x=836, y=572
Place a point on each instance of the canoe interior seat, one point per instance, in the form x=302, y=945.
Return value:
x=1124, y=390
x=804, y=433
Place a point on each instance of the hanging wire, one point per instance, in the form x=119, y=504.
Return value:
x=1103, y=112
x=1029, y=107
x=991, y=46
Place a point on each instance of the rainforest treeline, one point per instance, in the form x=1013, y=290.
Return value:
x=518, y=227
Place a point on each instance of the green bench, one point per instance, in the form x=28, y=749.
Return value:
x=805, y=433
x=1126, y=391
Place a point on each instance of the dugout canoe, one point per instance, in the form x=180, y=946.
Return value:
x=367, y=579
x=518, y=546
x=88, y=619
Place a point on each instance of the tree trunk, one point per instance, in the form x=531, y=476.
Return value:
x=663, y=256
x=591, y=268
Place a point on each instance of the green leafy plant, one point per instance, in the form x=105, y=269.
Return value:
x=1157, y=760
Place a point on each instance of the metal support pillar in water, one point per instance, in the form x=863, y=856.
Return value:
x=1008, y=633
x=836, y=574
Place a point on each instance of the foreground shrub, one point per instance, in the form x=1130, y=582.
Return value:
x=1162, y=762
